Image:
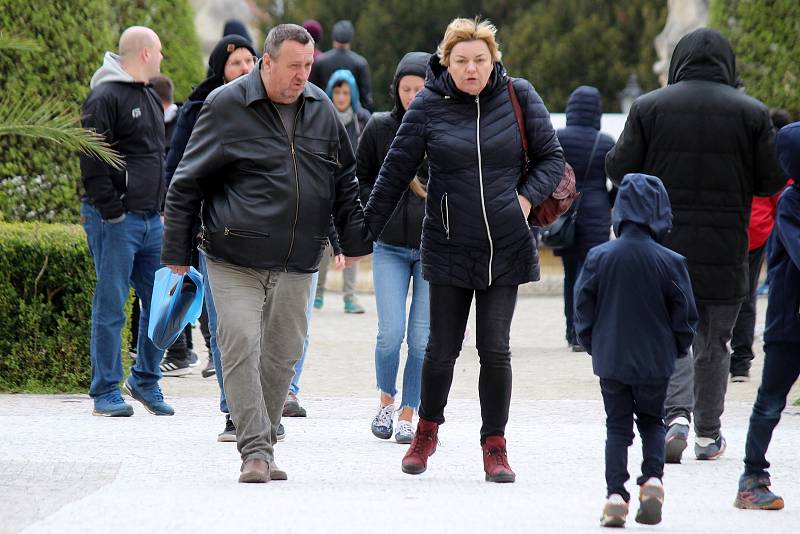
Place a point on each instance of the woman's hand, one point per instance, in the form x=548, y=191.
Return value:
x=525, y=204
x=339, y=262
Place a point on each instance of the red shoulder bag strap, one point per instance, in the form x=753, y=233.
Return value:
x=520, y=122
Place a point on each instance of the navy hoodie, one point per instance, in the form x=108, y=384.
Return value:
x=634, y=308
x=783, y=308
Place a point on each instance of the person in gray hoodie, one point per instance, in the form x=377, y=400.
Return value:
x=121, y=214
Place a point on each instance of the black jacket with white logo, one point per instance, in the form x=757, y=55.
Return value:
x=130, y=116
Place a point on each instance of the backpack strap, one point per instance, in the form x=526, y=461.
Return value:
x=591, y=156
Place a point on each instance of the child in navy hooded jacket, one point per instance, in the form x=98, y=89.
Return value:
x=635, y=314
x=781, y=335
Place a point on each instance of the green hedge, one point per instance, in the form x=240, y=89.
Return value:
x=766, y=38
x=41, y=181
x=46, y=286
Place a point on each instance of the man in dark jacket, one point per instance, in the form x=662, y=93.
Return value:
x=269, y=163
x=713, y=147
x=781, y=335
x=634, y=359
x=341, y=57
x=121, y=215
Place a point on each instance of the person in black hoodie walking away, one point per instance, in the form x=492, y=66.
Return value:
x=476, y=242
x=120, y=213
x=635, y=314
x=781, y=335
x=713, y=147
x=342, y=57
x=585, y=148
x=396, y=260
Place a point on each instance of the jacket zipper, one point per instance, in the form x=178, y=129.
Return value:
x=244, y=233
x=296, y=180
x=480, y=179
x=445, y=209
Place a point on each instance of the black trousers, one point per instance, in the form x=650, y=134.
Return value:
x=744, y=330
x=449, y=312
x=622, y=402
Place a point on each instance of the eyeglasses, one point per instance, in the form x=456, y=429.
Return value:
x=248, y=61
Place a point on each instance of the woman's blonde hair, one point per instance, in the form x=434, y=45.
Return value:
x=461, y=30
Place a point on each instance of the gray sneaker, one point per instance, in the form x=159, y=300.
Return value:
x=281, y=432
x=709, y=448
x=676, y=441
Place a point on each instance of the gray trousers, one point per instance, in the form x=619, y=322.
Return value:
x=261, y=325
x=700, y=381
x=349, y=275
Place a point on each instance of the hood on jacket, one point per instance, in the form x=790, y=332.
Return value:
x=584, y=107
x=412, y=64
x=703, y=54
x=643, y=200
x=346, y=75
x=788, y=147
x=111, y=71
x=438, y=79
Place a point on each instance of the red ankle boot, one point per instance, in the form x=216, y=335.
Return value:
x=495, y=460
x=424, y=445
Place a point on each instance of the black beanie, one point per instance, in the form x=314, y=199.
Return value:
x=222, y=51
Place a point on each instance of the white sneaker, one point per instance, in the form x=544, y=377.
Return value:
x=651, y=499
x=382, y=423
x=615, y=511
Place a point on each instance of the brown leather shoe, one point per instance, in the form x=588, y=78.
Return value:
x=276, y=473
x=254, y=470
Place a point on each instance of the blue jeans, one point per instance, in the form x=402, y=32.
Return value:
x=211, y=310
x=392, y=269
x=124, y=254
x=622, y=402
x=294, y=387
x=781, y=370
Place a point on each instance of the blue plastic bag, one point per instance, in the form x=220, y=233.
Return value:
x=177, y=301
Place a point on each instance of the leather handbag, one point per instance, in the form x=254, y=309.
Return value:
x=561, y=234
x=565, y=193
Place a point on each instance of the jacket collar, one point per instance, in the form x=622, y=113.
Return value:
x=254, y=87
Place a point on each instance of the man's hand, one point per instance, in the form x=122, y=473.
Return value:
x=525, y=204
x=339, y=262
x=352, y=260
x=179, y=269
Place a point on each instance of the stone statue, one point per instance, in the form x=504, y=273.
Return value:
x=683, y=16
x=211, y=16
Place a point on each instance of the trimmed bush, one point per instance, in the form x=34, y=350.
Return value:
x=46, y=285
x=74, y=34
x=766, y=38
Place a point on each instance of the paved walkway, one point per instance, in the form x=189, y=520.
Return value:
x=62, y=470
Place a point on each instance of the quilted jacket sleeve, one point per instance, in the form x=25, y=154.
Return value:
x=544, y=150
x=399, y=167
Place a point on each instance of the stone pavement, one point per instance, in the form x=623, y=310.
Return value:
x=62, y=470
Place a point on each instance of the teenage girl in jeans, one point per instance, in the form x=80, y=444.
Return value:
x=396, y=262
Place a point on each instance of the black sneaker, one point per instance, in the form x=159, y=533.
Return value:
x=229, y=434
x=193, y=359
x=173, y=365
x=281, y=432
x=209, y=369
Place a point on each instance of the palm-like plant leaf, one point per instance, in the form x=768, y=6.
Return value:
x=55, y=122
x=19, y=44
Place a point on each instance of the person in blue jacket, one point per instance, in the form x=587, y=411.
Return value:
x=635, y=314
x=585, y=148
x=781, y=335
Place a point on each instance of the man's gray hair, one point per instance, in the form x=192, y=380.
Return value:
x=285, y=32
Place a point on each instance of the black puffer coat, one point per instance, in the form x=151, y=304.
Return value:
x=593, y=223
x=713, y=147
x=474, y=234
x=404, y=228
